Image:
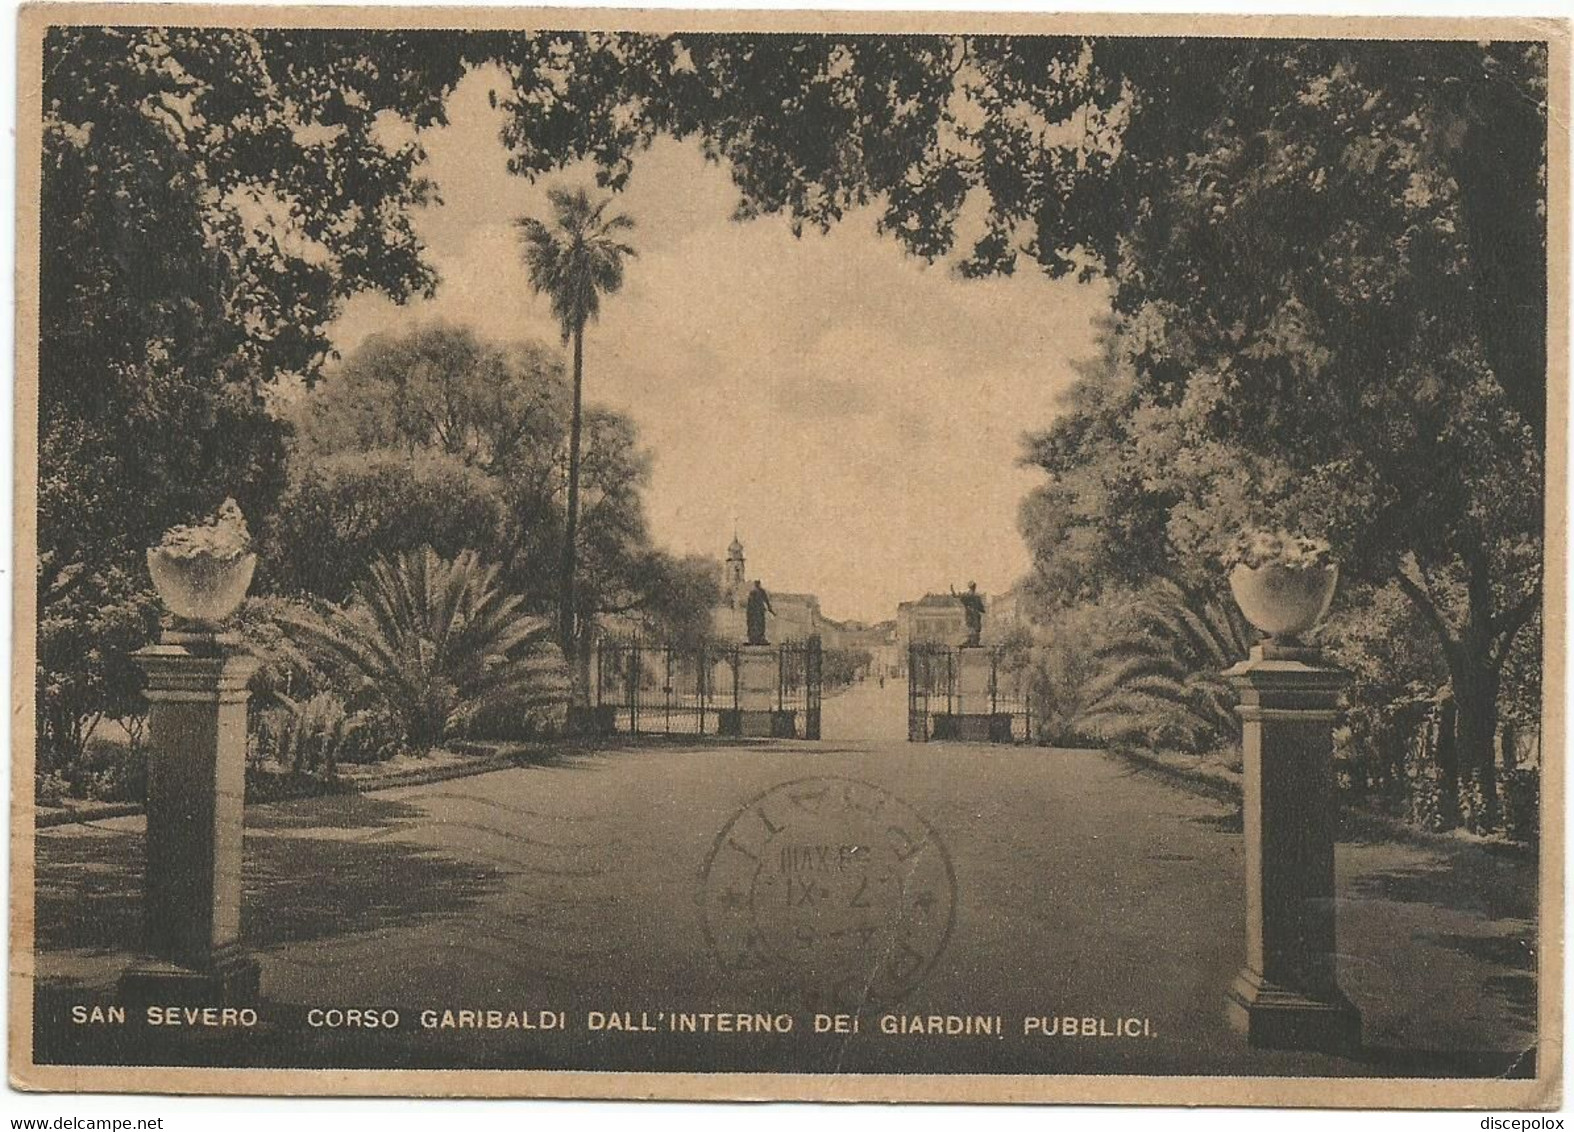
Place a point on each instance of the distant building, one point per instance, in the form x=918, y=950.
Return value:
x=878, y=640
x=728, y=618
x=797, y=617
x=856, y=634
x=932, y=619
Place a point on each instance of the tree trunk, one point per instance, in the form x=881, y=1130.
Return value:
x=1473, y=672
x=1475, y=655
x=582, y=662
x=1446, y=752
x=567, y=635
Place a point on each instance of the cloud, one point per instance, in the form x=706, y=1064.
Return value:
x=816, y=395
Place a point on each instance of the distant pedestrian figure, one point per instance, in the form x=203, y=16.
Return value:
x=754, y=614
x=973, y=609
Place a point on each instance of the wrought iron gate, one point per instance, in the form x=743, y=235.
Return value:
x=929, y=684
x=649, y=687
x=802, y=672
x=644, y=687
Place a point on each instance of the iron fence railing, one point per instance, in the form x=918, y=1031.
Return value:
x=967, y=692
x=645, y=687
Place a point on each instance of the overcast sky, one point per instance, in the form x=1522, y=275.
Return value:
x=856, y=412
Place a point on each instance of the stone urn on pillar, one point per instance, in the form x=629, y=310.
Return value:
x=196, y=737
x=1287, y=994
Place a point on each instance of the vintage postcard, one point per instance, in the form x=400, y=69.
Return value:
x=793, y=555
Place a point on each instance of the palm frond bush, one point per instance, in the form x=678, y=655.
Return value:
x=284, y=668
x=1159, y=681
x=438, y=645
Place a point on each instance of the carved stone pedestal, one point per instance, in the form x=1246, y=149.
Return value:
x=196, y=735
x=1288, y=996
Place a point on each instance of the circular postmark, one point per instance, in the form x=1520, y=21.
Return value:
x=830, y=890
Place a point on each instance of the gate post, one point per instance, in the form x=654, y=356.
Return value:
x=918, y=675
x=758, y=689
x=635, y=674
x=814, y=677
x=666, y=690
x=1287, y=995
x=702, y=684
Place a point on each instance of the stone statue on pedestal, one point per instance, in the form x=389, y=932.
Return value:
x=759, y=604
x=973, y=609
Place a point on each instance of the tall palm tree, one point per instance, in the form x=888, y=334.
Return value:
x=573, y=261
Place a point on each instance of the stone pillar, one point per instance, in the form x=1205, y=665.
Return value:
x=975, y=701
x=196, y=736
x=1288, y=996
x=759, y=680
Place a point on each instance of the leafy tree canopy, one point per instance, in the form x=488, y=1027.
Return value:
x=1328, y=257
x=493, y=406
x=436, y=412
x=1077, y=146
x=343, y=512
x=210, y=198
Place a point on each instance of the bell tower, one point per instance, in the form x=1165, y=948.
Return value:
x=732, y=572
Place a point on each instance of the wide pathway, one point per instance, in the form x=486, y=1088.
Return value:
x=1050, y=884
x=868, y=712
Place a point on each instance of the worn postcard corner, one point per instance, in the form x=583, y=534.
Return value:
x=819, y=556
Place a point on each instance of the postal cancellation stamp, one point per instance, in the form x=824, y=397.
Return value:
x=832, y=887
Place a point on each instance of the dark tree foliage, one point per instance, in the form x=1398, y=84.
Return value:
x=840, y=667
x=209, y=199
x=341, y=514
x=679, y=596
x=436, y=436
x=1075, y=142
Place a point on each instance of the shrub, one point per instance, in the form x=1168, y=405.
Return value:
x=1160, y=681
x=312, y=737
x=110, y=771
x=50, y=788
x=85, y=672
x=1522, y=805
x=1060, y=663
x=516, y=721
x=1375, y=749
x=377, y=737
x=437, y=645
x=284, y=668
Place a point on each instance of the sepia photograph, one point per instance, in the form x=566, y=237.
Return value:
x=797, y=555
